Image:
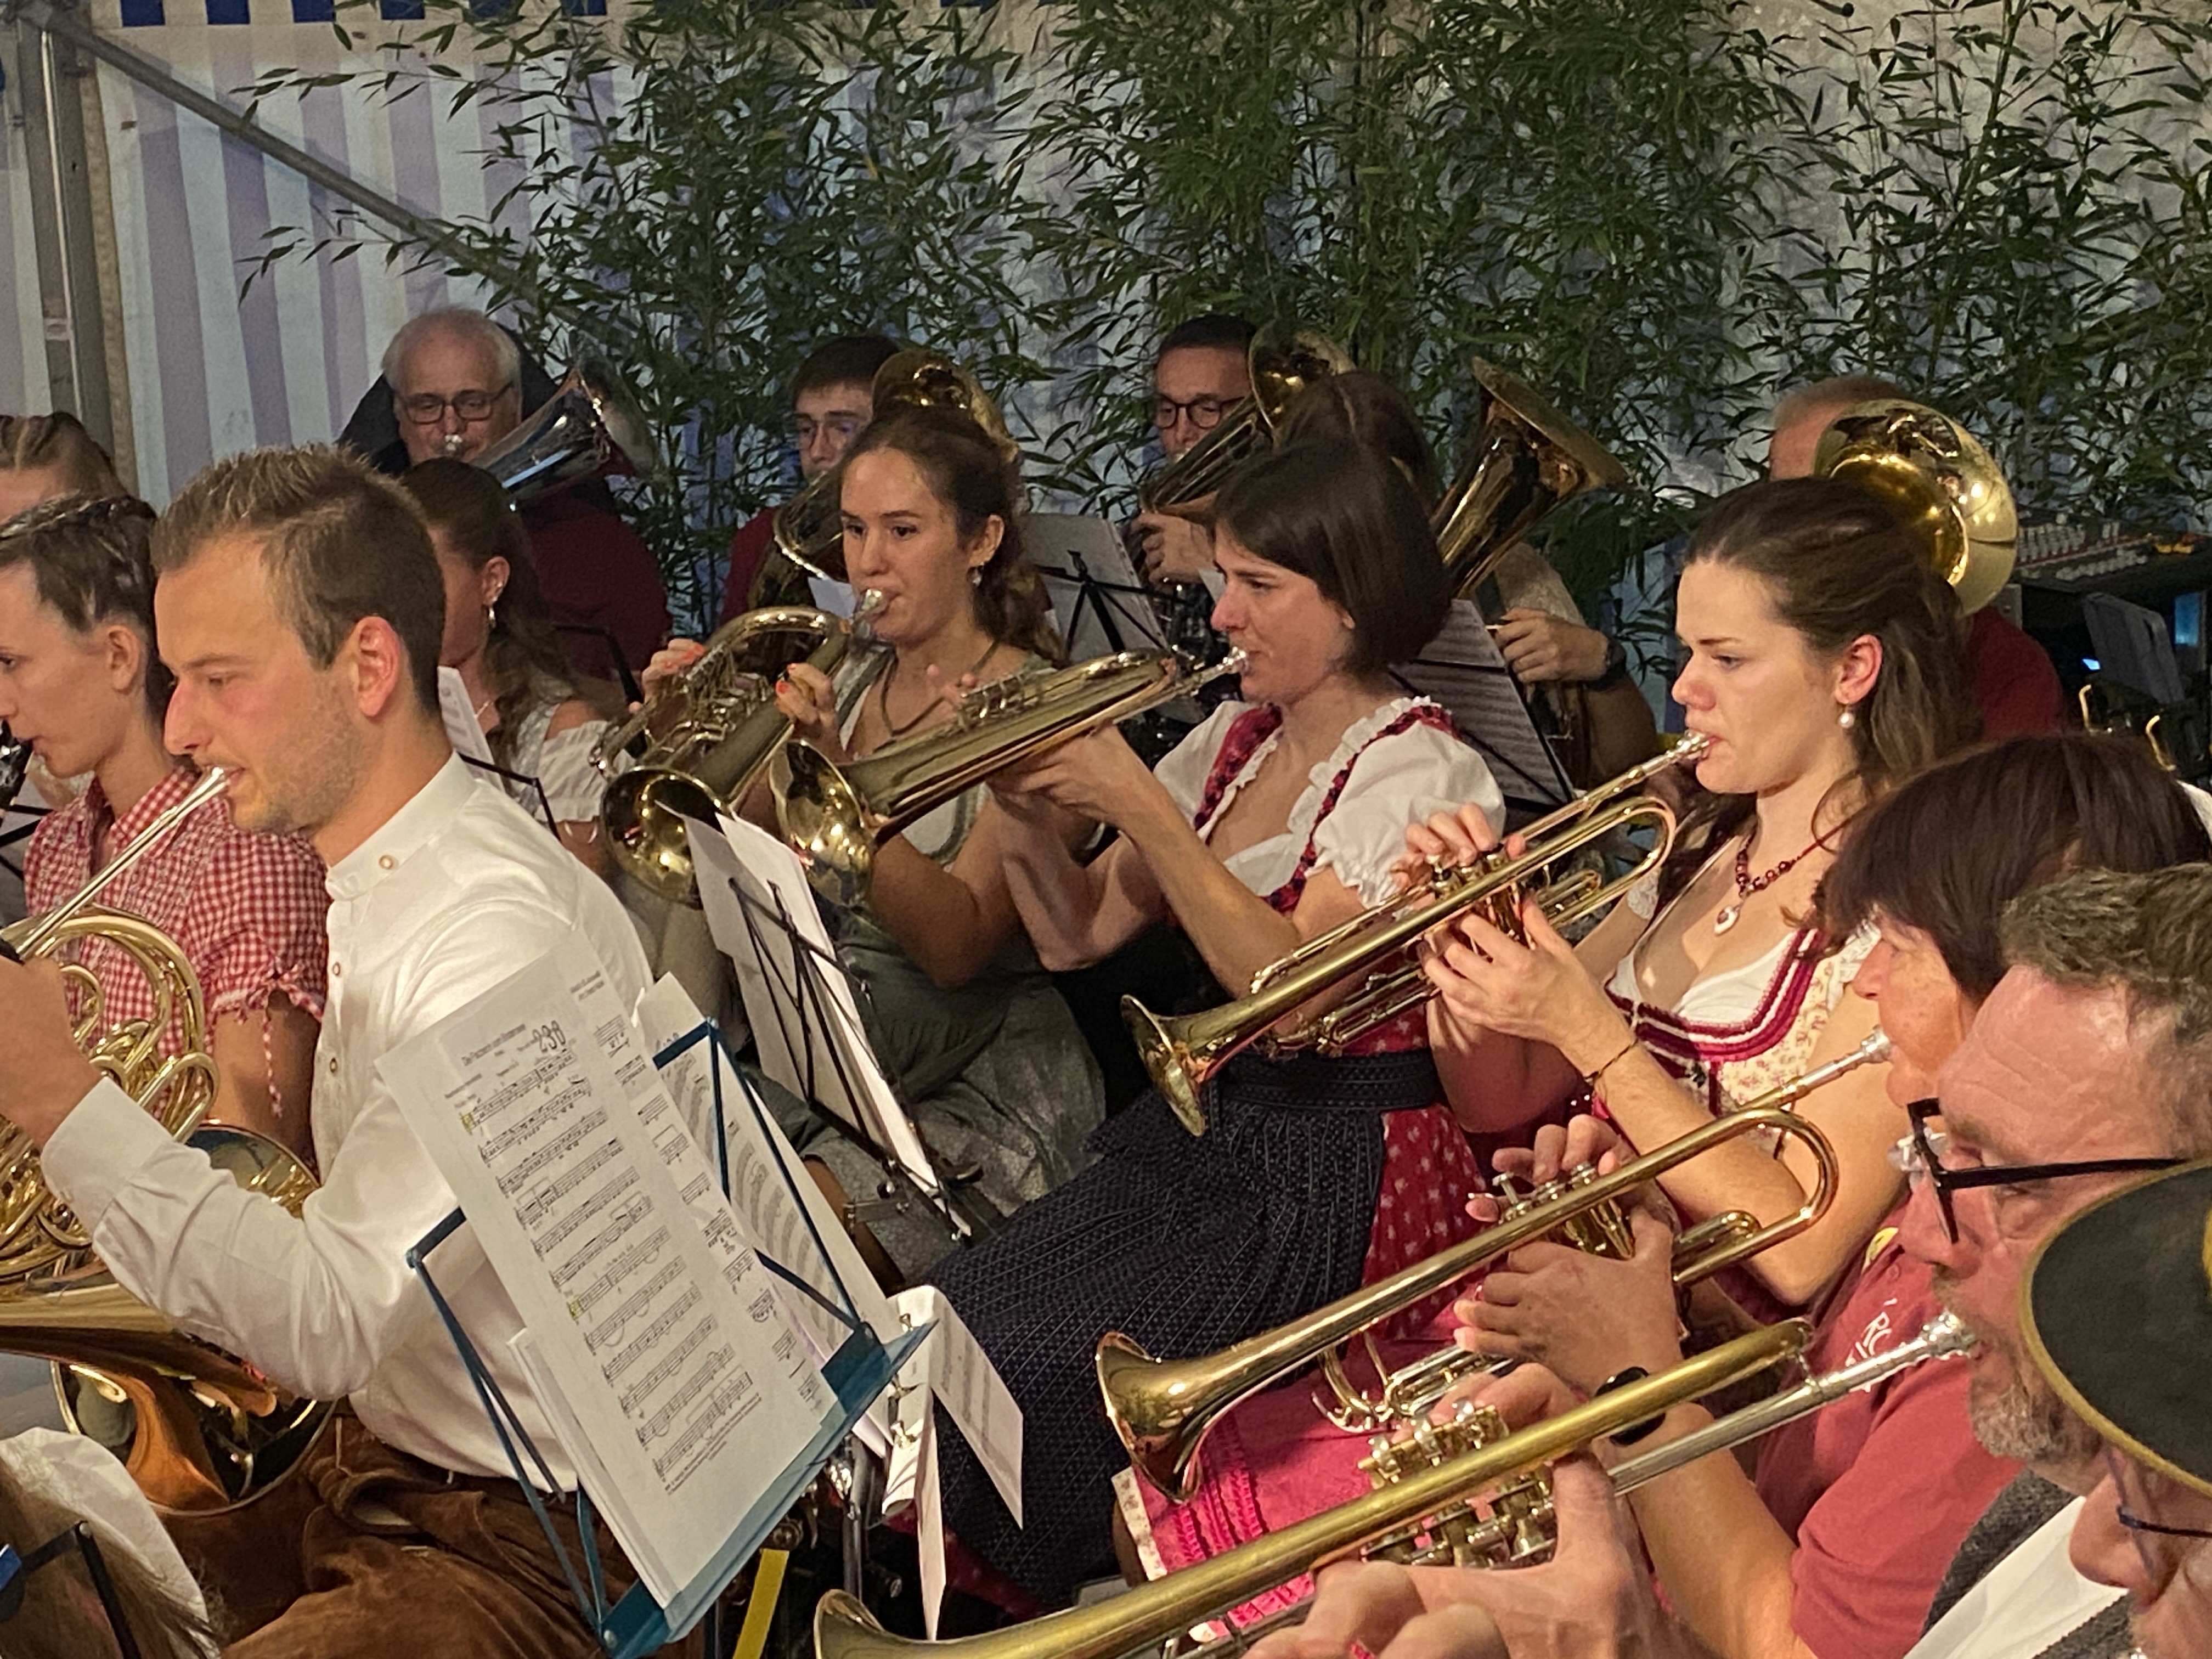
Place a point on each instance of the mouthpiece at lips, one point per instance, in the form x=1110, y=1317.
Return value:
x=449, y=446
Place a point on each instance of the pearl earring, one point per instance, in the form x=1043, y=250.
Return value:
x=976, y=576
x=1847, y=720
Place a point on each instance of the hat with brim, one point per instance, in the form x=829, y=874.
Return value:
x=2117, y=1311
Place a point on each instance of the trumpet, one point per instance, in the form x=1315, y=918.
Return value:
x=1402, y=1510
x=835, y=817
x=1411, y=1392
x=708, y=733
x=1182, y=1053
x=1162, y=1409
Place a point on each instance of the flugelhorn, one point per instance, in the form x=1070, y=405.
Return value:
x=836, y=816
x=1162, y=1409
x=1522, y=458
x=1144, y=1616
x=208, y=1432
x=590, y=421
x=1409, y=1393
x=1182, y=1053
x=708, y=733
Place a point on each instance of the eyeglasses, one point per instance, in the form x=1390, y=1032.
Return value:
x=425, y=407
x=1203, y=413
x=1920, y=1154
x=2125, y=1472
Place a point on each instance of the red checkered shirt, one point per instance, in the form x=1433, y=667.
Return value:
x=248, y=910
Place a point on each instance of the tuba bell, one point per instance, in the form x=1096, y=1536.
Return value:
x=1522, y=458
x=708, y=733
x=810, y=536
x=590, y=422
x=204, y=1432
x=1938, y=480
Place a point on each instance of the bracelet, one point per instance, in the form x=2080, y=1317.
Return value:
x=1590, y=1078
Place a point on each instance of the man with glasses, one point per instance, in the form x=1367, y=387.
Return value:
x=2090, y=1065
x=1201, y=373
x=456, y=378
x=832, y=398
x=2119, y=1316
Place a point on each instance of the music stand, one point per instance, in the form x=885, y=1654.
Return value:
x=857, y=1374
x=15, y=1568
x=1096, y=597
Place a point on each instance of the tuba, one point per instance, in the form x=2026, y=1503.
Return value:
x=206, y=1431
x=835, y=817
x=1182, y=1054
x=1279, y=370
x=1162, y=1409
x=708, y=734
x=810, y=535
x=1938, y=480
x=590, y=421
x=1522, y=458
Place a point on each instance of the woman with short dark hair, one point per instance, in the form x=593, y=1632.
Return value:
x=1275, y=819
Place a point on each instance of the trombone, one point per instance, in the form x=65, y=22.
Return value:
x=1182, y=1053
x=1436, y=1497
x=1162, y=1409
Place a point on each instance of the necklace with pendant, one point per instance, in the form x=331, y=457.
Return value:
x=1746, y=883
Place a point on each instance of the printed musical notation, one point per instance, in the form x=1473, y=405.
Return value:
x=667, y=1361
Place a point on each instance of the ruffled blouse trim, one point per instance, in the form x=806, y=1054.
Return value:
x=1357, y=736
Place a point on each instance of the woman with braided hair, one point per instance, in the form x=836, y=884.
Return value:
x=82, y=683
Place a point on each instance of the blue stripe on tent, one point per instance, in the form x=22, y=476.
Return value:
x=400, y=11
x=314, y=11
x=143, y=14
x=226, y=11
x=584, y=8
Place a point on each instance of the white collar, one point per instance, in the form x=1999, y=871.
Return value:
x=429, y=810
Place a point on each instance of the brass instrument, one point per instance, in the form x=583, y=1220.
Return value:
x=590, y=420
x=1410, y=1392
x=2126, y=723
x=207, y=1432
x=1423, y=1502
x=708, y=734
x=1522, y=459
x=1518, y=1529
x=1940, y=481
x=1279, y=370
x=1162, y=1409
x=834, y=816
x=810, y=533
x=1182, y=1053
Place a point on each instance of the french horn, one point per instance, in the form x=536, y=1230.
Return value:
x=206, y=1431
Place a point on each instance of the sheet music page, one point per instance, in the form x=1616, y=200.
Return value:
x=961, y=1376
x=771, y=1191
x=816, y=1048
x=662, y=1337
x=1462, y=669
x=462, y=729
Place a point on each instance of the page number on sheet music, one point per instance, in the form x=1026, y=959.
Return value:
x=551, y=1039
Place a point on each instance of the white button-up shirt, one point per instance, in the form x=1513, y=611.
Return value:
x=455, y=892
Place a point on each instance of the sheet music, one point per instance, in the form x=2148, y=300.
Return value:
x=798, y=1000
x=657, y=1333
x=1098, y=601
x=1463, y=669
x=462, y=729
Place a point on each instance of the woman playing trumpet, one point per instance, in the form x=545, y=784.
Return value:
x=1278, y=818
x=1799, y=604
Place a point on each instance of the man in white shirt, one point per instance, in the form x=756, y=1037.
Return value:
x=299, y=601
x=2118, y=1313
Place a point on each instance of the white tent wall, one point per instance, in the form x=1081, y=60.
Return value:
x=217, y=364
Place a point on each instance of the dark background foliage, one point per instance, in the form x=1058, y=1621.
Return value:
x=1660, y=212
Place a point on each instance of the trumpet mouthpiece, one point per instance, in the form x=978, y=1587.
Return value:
x=872, y=600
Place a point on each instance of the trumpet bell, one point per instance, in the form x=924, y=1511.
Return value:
x=590, y=421
x=1938, y=480
x=1169, y=1061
